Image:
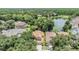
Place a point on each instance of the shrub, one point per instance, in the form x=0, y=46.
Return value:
x=67, y=26
x=43, y=42
x=61, y=43
x=23, y=43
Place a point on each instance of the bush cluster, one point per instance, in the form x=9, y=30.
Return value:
x=23, y=43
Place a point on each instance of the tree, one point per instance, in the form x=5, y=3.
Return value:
x=2, y=25
x=67, y=26
x=44, y=24
x=60, y=43
x=10, y=24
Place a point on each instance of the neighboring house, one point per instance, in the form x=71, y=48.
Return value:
x=75, y=27
x=38, y=35
x=75, y=21
x=49, y=36
x=20, y=25
x=12, y=32
x=75, y=32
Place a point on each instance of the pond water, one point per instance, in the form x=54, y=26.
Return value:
x=59, y=24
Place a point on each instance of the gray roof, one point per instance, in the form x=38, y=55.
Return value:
x=12, y=32
x=75, y=21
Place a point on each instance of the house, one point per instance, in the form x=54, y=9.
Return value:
x=75, y=21
x=75, y=27
x=20, y=25
x=12, y=32
x=38, y=35
x=49, y=36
